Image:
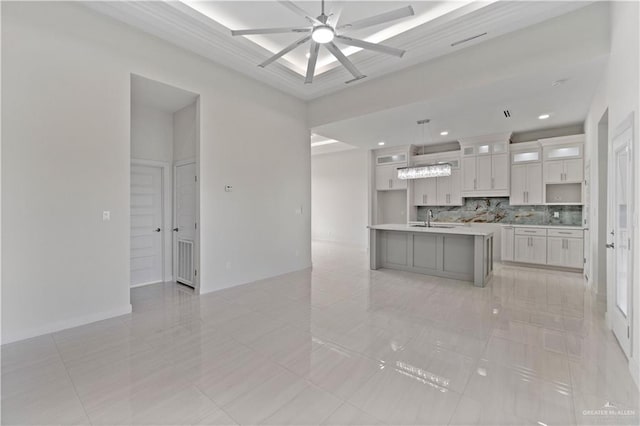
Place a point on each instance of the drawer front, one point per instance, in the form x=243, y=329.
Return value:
x=565, y=233
x=531, y=231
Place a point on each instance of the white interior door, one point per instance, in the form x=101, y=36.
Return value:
x=620, y=237
x=146, y=225
x=185, y=223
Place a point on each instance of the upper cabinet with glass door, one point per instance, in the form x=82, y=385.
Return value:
x=485, y=165
x=526, y=174
x=563, y=169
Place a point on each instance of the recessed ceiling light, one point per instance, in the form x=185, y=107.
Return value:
x=445, y=133
x=543, y=116
x=380, y=143
x=307, y=55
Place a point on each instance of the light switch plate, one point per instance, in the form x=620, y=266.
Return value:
x=228, y=188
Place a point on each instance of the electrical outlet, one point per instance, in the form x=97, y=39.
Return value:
x=228, y=264
x=556, y=214
x=106, y=216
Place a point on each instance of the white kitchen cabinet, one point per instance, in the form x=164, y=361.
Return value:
x=387, y=178
x=448, y=189
x=526, y=184
x=396, y=158
x=508, y=234
x=500, y=172
x=530, y=245
x=562, y=247
x=565, y=248
x=567, y=252
x=425, y=192
x=485, y=166
x=563, y=171
x=575, y=253
x=573, y=170
x=469, y=174
x=486, y=175
x=483, y=173
x=555, y=251
x=440, y=191
x=530, y=249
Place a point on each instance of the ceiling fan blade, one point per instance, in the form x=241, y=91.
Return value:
x=299, y=11
x=357, y=75
x=285, y=50
x=336, y=11
x=311, y=65
x=379, y=19
x=271, y=31
x=370, y=46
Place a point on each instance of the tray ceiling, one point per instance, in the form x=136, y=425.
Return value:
x=204, y=28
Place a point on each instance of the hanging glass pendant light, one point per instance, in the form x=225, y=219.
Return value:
x=427, y=171
x=419, y=172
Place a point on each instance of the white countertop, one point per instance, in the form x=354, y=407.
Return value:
x=543, y=226
x=519, y=225
x=458, y=230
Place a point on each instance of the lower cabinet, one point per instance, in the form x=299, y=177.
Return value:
x=530, y=249
x=566, y=252
x=554, y=247
x=508, y=234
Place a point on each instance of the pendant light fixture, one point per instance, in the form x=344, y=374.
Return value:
x=427, y=171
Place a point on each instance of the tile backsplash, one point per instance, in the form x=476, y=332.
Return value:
x=498, y=210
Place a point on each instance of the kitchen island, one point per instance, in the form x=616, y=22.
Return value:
x=460, y=252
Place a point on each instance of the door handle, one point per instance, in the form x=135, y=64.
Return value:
x=157, y=230
x=175, y=229
x=610, y=246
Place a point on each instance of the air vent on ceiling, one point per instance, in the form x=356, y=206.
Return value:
x=467, y=39
x=506, y=113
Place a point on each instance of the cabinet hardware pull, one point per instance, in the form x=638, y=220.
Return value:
x=390, y=183
x=493, y=181
x=474, y=184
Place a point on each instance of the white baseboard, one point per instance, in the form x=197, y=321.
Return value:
x=147, y=283
x=63, y=325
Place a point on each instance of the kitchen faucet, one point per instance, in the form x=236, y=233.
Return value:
x=429, y=217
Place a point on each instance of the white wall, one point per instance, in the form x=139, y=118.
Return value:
x=66, y=158
x=185, y=133
x=619, y=91
x=339, y=188
x=151, y=133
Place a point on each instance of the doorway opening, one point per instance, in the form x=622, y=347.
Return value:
x=164, y=209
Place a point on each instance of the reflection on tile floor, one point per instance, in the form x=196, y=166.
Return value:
x=337, y=345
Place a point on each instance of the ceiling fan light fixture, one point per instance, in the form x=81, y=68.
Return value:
x=323, y=34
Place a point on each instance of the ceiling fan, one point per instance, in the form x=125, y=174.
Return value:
x=324, y=30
